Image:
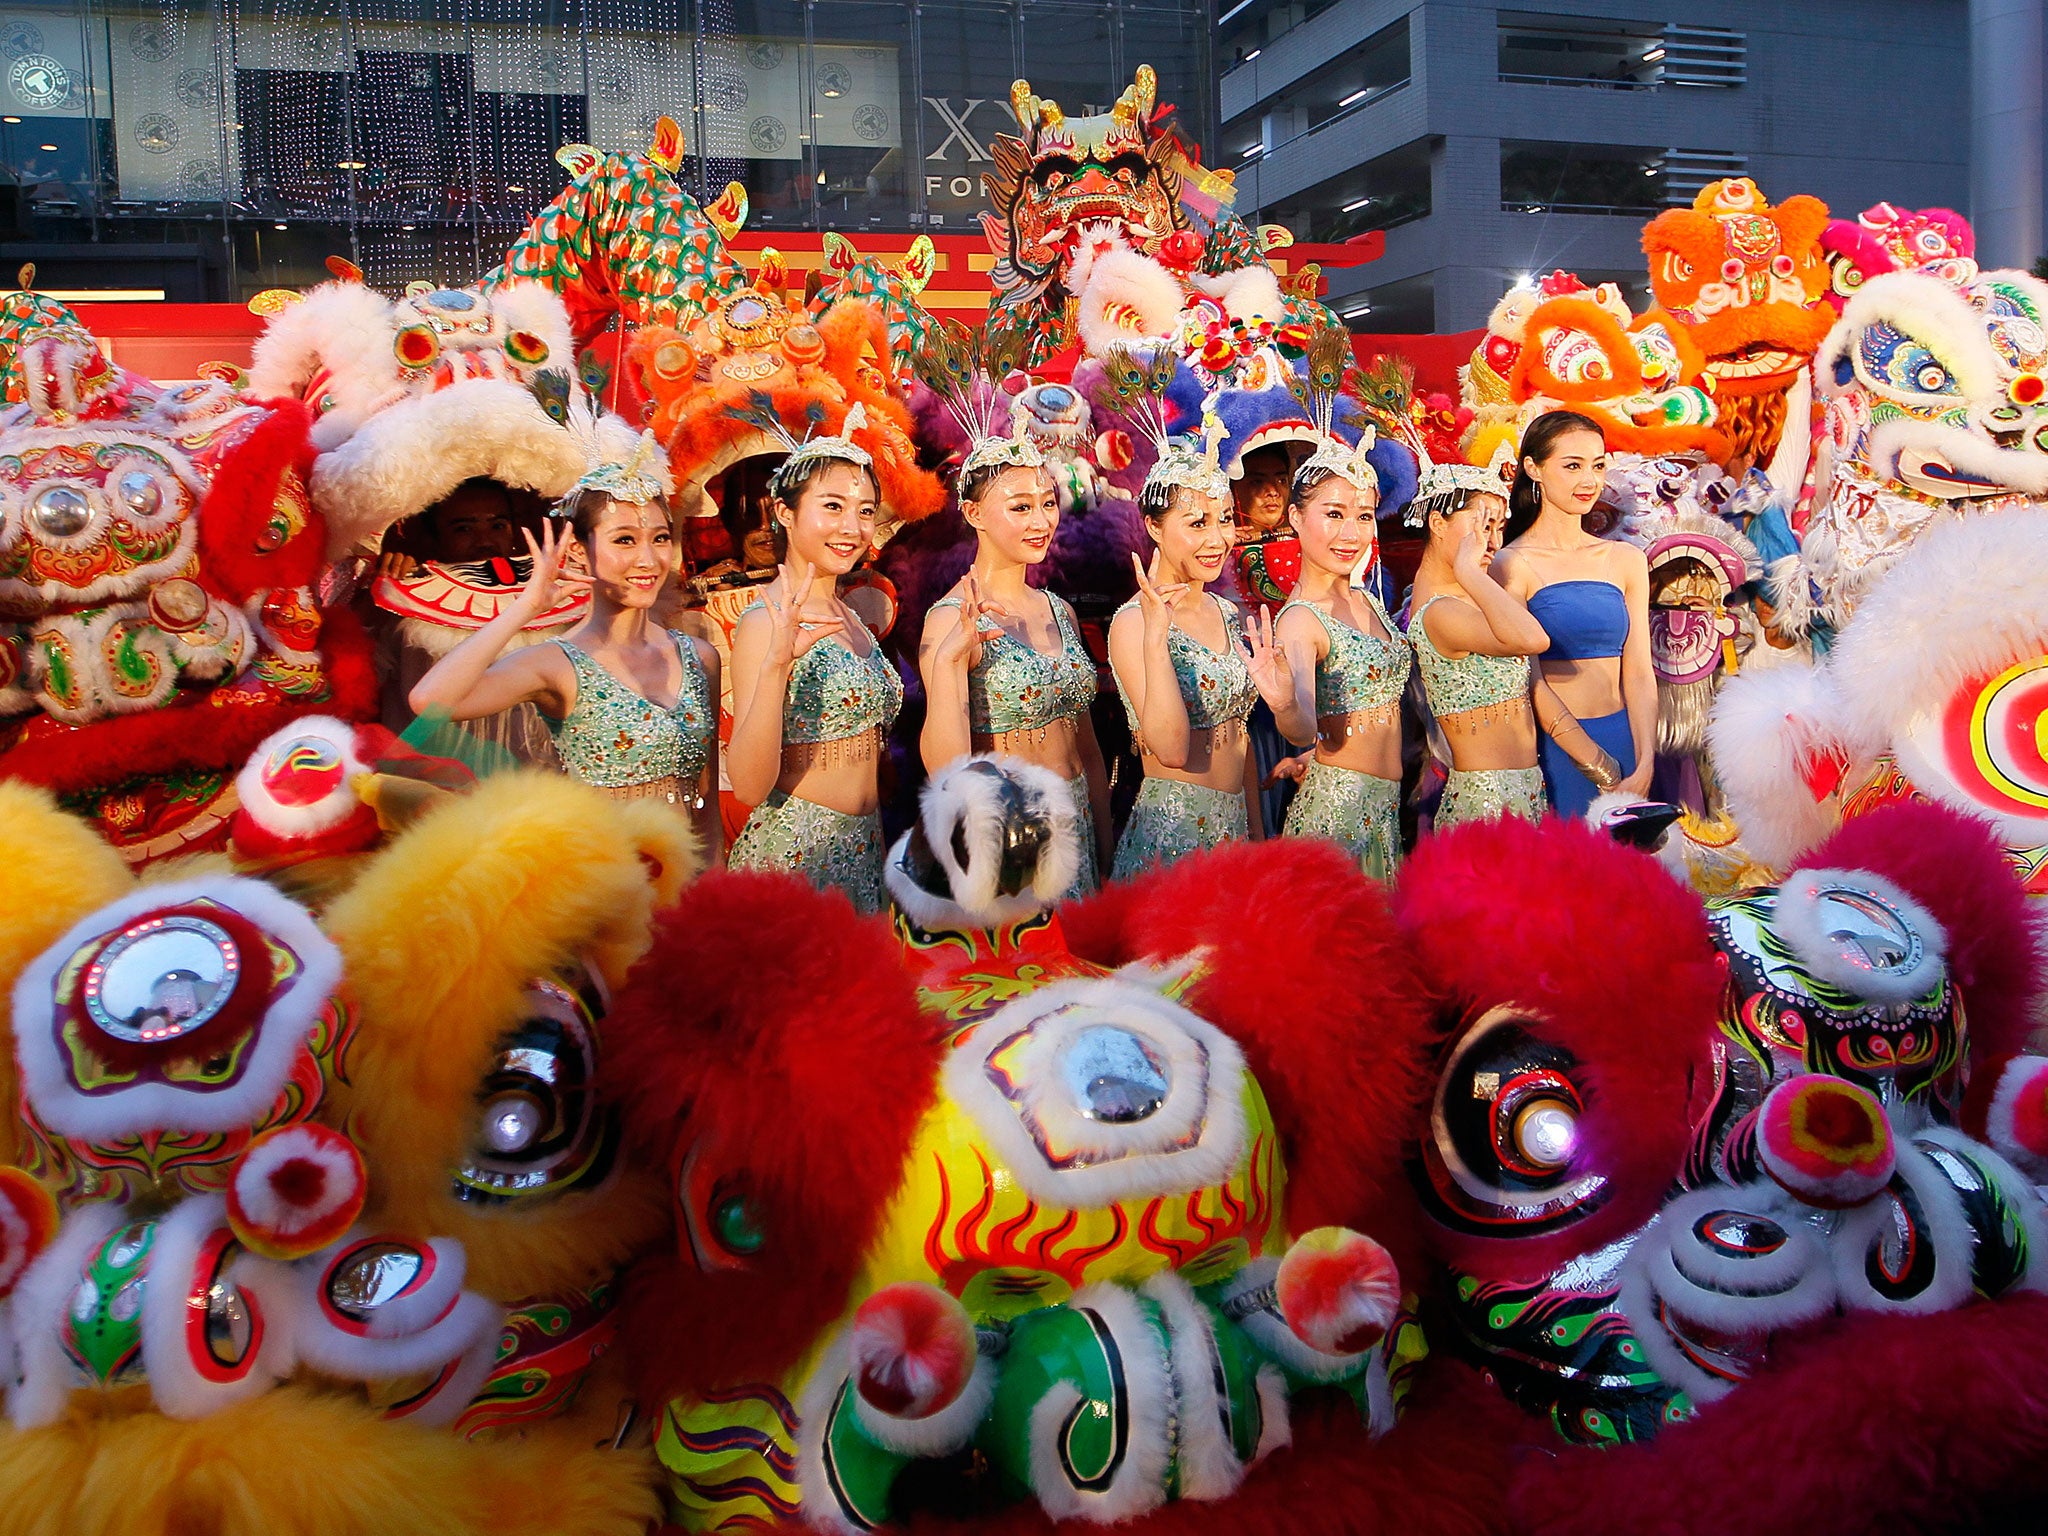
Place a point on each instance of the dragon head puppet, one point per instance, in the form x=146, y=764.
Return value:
x=1937, y=689
x=1797, y=1193
x=1096, y=1225
x=1935, y=397
x=337, y=1179
x=892, y=287
x=1563, y=345
x=626, y=246
x=713, y=388
x=1744, y=280
x=158, y=562
x=1887, y=239
x=1122, y=177
x=412, y=396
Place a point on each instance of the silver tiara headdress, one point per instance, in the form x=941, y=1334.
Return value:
x=1444, y=486
x=967, y=372
x=625, y=465
x=1137, y=392
x=839, y=447
x=1319, y=387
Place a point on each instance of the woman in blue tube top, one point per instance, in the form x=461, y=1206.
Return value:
x=1592, y=598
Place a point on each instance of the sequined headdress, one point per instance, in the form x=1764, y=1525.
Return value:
x=624, y=465
x=1137, y=391
x=1444, y=486
x=966, y=372
x=839, y=447
x=1318, y=387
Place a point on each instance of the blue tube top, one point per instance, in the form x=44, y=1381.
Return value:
x=1584, y=619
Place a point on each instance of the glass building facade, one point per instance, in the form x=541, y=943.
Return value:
x=213, y=150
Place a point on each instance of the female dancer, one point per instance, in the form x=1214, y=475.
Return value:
x=633, y=707
x=1348, y=664
x=1003, y=664
x=1187, y=671
x=813, y=695
x=1473, y=640
x=1592, y=598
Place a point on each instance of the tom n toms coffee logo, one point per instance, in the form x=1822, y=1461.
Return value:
x=37, y=80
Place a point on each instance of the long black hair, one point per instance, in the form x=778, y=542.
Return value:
x=1539, y=439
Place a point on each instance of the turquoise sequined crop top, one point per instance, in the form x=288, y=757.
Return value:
x=1214, y=685
x=834, y=694
x=615, y=739
x=1362, y=674
x=1471, y=682
x=1017, y=687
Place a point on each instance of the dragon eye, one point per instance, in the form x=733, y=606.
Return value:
x=1545, y=1131
x=1501, y=1158
x=734, y=1225
x=60, y=511
x=539, y=1129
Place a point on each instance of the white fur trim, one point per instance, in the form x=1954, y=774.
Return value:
x=1126, y=279
x=2015, y=1079
x=1765, y=727
x=1934, y=313
x=1669, y=1268
x=253, y=789
x=1276, y=1429
x=962, y=797
x=259, y=1201
x=538, y=310
x=814, y=1404
x=408, y=456
x=1209, y=1468
x=937, y=1434
x=41, y=1379
x=412, y=1312
x=1195, y=1137
x=1140, y=1483
x=162, y=1106
x=1946, y=1231
x=2021, y=1196
x=168, y=1327
x=455, y=1333
x=344, y=328
x=1911, y=645
x=1250, y=294
x=1802, y=923
x=1268, y=1329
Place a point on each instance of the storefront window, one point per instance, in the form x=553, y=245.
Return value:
x=217, y=150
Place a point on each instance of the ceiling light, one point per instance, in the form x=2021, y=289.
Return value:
x=277, y=226
x=1355, y=96
x=515, y=189
x=1251, y=149
x=49, y=148
x=1356, y=310
x=408, y=227
x=1253, y=54
x=349, y=165
x=9, y=119
x=832, y=92
x=1356, y=204
x=1654, y=55
x=1649, y=170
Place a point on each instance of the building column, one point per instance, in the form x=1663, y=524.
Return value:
x=2008, y=54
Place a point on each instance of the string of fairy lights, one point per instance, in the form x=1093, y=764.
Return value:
x=416, y=137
